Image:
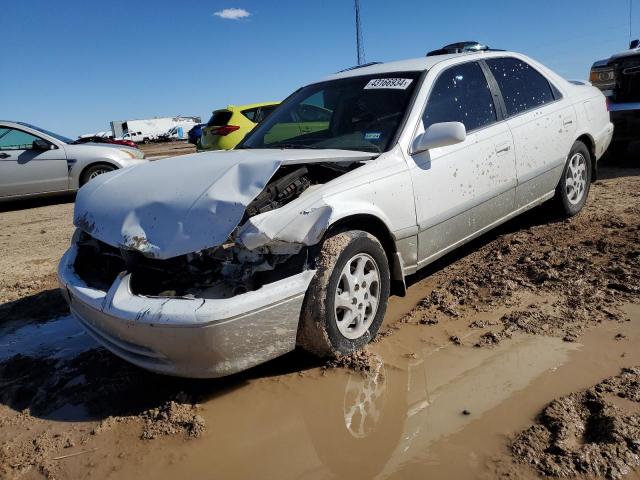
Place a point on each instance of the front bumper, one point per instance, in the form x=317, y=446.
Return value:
x=188, y=337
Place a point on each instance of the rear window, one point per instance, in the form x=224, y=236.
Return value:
x=219, y=118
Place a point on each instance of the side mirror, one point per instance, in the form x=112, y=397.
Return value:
x=634, y=44
x=41, y=144
x=439, y=135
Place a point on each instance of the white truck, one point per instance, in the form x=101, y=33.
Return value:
x=178, y=132
x=147, y=130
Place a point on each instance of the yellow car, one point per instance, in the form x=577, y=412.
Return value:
x=228, y=126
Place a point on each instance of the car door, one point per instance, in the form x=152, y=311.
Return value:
x=462, y=189
x=27, y=170
x=542, y=123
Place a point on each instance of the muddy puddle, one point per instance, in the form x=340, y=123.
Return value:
x=58, y=338
x=426, y=408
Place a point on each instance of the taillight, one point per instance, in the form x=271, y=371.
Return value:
x=225, y=130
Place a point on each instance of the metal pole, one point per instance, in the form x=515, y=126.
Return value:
x=630, y=11
x=359, y=43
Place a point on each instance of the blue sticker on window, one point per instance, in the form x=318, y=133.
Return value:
x=372, y=136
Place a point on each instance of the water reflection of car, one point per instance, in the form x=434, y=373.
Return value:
x=385, y=422
x=228, y=126
x=100, y=139
x=34, y=161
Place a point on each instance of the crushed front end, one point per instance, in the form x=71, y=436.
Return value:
x=200, y=315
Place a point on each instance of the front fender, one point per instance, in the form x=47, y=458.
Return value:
x=288, y=233
x=76, y=168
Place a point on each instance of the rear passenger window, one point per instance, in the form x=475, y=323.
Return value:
x=461, y=94
x=250, y=114
x=523, y=87
x=263, y=113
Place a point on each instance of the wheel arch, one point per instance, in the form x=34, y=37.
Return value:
x=375, y=226
x=590, y=143
x=108, y=163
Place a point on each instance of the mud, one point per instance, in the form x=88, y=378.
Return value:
x=173, y=417
x=360, y=361
x=580, y=270
x=587, y=433
x=546, y=301
x=157, y=151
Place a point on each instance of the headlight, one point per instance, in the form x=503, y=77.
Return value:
x=603, y=78
x=131, y=154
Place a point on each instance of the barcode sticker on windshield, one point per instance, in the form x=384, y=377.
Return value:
x=394, y=83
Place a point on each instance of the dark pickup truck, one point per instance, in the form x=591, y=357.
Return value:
x=619, y=79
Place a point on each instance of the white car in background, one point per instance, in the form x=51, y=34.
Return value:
x=299, y=238
x=34, y=161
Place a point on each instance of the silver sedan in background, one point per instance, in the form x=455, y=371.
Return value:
x=34, y=161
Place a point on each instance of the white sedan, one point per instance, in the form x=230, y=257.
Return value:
x=206, y=265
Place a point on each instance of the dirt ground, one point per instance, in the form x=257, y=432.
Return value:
x=515, y=357
x=155, y=151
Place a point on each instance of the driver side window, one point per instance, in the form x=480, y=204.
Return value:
x=461, y=94
x=12, y=139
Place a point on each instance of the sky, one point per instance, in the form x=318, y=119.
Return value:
x=72, y=66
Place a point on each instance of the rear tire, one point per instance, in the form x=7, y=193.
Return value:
x=347, y=298
x=93, y=171
x=573, y=189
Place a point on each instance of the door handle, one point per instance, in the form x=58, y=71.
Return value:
x=504, y=148
x=4, y=155
x=567, y=122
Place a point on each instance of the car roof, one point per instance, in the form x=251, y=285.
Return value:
x=233, y=108
x=413, y=64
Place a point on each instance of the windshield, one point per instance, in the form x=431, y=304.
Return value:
x=47, y=132
x=357, y=113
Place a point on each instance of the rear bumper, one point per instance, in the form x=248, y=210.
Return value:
x=626, y=121
x=198, y=338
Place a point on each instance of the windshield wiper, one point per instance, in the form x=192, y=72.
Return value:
x=289, y=146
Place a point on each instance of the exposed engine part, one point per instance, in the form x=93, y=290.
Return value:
x=279, y=192
x=220, y=272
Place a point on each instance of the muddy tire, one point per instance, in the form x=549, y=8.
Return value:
x=347, y=298
x=573, y=189
x=93, y=171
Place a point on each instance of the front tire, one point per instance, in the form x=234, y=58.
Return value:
x=347, y=298
x=573, y=189
x=93, y=171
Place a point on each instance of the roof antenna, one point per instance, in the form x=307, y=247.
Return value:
x=630, y=11
x=359, y=42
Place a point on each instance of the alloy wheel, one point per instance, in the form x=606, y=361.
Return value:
x=576, y=178
x=357, y=296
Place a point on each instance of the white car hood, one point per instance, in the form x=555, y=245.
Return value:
x=184, y=204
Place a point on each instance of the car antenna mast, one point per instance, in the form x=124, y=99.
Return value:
x=630, y=11
x=359, y=42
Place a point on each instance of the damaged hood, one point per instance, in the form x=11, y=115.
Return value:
x=184, y=204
